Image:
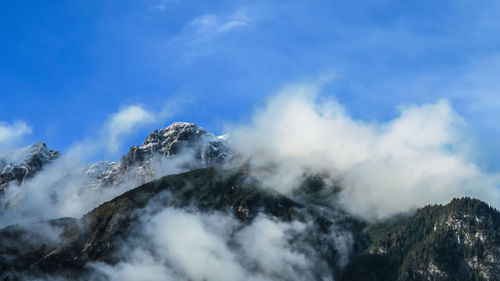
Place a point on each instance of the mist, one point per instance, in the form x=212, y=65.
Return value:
x=180, y=244
x=64, y=187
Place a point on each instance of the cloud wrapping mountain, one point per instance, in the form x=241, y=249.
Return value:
x=183, y=245
x=417, y=158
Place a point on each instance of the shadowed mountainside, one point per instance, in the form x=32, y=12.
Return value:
x=98, y=235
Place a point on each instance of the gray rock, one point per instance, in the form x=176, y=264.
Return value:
x=25, y=163
x=141, y=164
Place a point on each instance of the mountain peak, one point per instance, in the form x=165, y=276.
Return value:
x=41, y=150
x=26, y=162
x=200, y=148
x=176, y=132
x=181, y=124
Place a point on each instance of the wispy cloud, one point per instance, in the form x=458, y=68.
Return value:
x=209, y=25
x=12, y=132
x=123, y=123
x=162, y=5
x=199, y=35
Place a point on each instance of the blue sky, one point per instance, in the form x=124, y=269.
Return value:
x=67, y=66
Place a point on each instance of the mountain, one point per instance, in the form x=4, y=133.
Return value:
x=25, y=163
x=457, y=241
x=214, y=221
x=185, y=145
x=190, y=146
x=19, y=242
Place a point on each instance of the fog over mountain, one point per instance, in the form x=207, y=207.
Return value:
x=302, y=191
x=420, y=157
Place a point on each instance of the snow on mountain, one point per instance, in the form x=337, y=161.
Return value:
x=178, y=147
x=25, y=163
x=183, y=145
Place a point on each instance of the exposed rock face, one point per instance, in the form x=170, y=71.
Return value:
x=177, y=138
x=141, y=164
x=458, y=241
x=26, y=163
x=199, y=148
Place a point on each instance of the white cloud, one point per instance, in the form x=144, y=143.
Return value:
x=142, y=266
x=384, y=168
x=62, y=188
x=181, y=245
x=195, y=248
x=265, y=242
x=124, y=123
x=13, y=132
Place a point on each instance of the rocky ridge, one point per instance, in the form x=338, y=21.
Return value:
x=141, y=164
x=25, y=163
x=192, y=145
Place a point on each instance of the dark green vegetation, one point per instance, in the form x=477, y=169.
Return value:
x=457, y=241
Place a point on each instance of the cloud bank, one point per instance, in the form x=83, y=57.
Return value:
x=384, y=168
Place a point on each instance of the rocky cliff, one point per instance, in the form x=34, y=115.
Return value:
x=185, y=145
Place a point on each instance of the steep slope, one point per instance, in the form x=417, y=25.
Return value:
x=19, y=242
x=184, y=145
x=457, y=241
